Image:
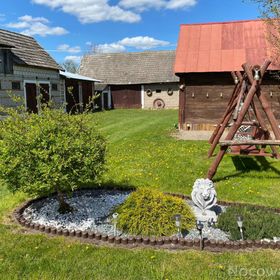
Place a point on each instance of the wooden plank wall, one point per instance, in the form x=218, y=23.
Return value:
x=207, y=96
x=126, y=96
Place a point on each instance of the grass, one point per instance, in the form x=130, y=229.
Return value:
x=142, y=153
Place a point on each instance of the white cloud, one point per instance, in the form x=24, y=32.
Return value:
x=75, y=58
x=67, y=48
x=139, y=42
x=88, y=11
x=110, y=48
x=142, y=5
x=143, y=42
x=178, y=4
x=36, y=26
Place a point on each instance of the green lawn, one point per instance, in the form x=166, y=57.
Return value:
x=141, y=152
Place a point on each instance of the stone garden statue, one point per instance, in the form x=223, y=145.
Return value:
x=204, y=197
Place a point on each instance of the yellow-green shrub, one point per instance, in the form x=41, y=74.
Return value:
x=151, y=213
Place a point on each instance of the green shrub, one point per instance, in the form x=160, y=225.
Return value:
x=151, y=213
x=258, y=223
x=50, y=152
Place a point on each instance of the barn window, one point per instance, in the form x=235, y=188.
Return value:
x=158, y=90
x=16, y=85
x=54, y=87
x=6, y=61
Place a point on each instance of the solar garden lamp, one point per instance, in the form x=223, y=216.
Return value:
x=115, y=221
x=199, y=226
x=240, y=226
x=177, y=218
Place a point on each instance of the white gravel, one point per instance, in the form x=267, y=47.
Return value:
x=93, y=211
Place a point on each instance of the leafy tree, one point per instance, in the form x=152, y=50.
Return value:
x=270, y=11
x=50, y=152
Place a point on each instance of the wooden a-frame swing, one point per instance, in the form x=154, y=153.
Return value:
x=248, y=133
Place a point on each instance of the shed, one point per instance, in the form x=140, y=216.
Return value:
x=134, y=80
x=78, y=90
x=205, y=56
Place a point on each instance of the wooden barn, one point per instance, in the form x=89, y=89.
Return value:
x=206, y=54
x=29, y=72
x=134, y=80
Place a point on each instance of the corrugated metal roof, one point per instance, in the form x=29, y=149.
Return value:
x=26, y=50
x=130, y=68
x=222, y=47
x=75, y=76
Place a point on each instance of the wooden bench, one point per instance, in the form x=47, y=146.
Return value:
x=249, y=142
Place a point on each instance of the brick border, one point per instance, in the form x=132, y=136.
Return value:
x=146, y=241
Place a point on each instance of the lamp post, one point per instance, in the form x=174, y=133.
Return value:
x=199, y=226
x=178, y=224
x=239, y=220
x=115, y=221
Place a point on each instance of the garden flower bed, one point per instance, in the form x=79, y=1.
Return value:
x=91, y=222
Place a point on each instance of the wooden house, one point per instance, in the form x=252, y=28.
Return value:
x=134, y=80
x=205, y=56
x=28, y=71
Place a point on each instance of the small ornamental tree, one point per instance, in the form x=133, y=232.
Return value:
x=49, y=152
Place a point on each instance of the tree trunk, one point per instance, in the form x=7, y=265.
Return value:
x=64, y=207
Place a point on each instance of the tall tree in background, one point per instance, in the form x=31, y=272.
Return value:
x=70, y=66
x=270, y=11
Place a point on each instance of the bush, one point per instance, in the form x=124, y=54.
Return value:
x=258, y=223
x=50, y=152
x=151, y=213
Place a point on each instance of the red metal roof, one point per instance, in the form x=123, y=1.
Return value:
x=222, y=47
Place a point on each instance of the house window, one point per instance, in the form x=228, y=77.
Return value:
x=54, y=87
x=16, y=85
x=158, y=90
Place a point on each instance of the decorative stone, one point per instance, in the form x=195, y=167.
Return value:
x=85, y=234
x=146, y=240
x=131, y=240
x=111, y=239
x=104, y=237
x=152, y=241
x=124, y=240
x=117, y=240
x=42, y=228
x=166, y=240
x=159, y=241
x=204, y=197
x=174, y=240
x=138, y=239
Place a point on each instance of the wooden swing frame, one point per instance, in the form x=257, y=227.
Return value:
x=247, y=88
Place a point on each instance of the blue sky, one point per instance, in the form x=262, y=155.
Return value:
x=70, y=28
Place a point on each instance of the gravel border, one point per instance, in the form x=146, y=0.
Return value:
x=143, y=241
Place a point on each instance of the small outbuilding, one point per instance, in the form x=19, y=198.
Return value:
x=29, y=72
x=205, y=56
x=134, y=80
